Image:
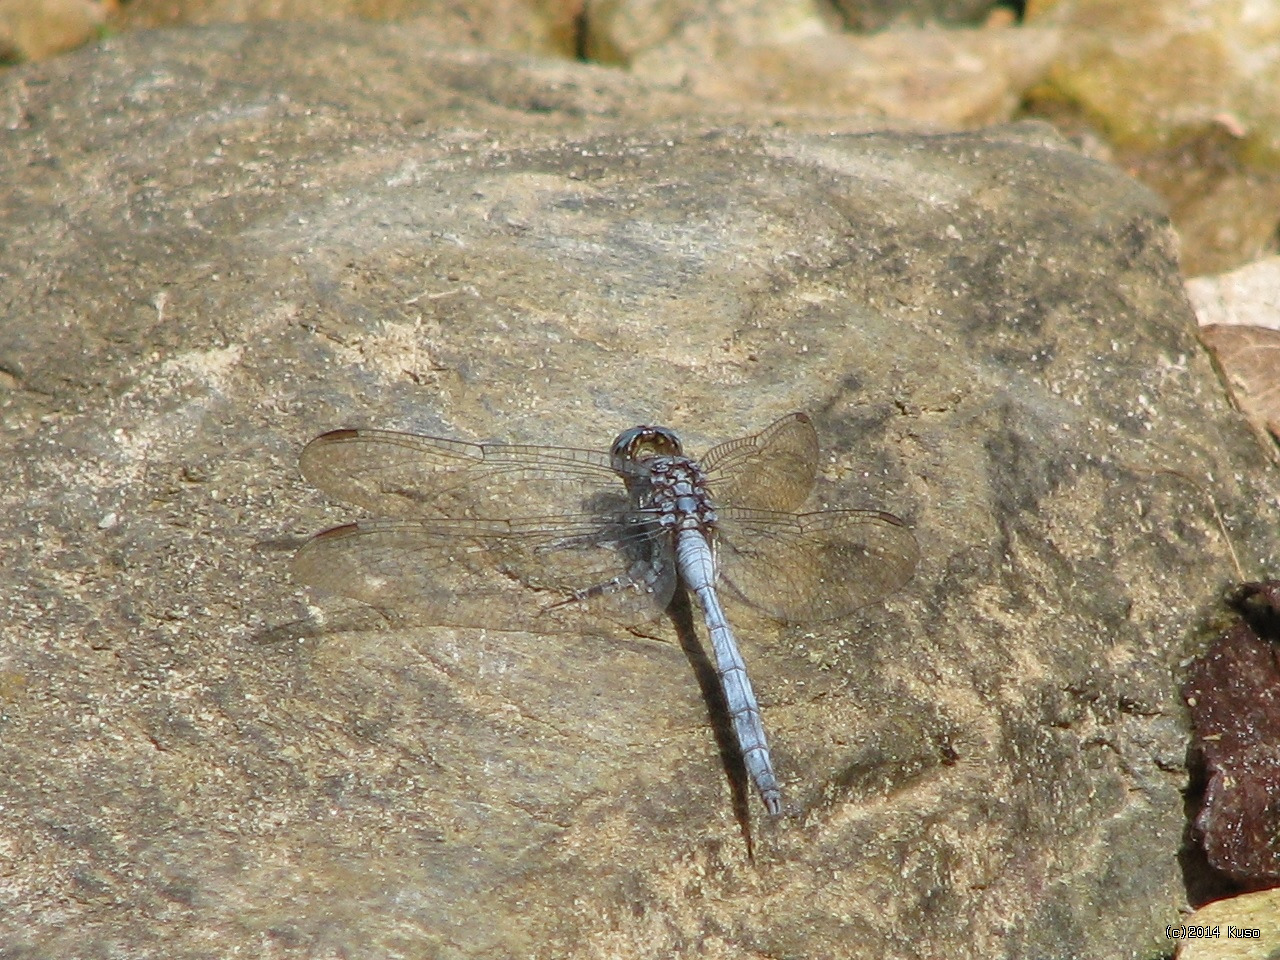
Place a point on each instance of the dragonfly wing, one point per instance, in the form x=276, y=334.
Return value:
x=495, y=574
x=406, y=475
x=771, y=470
x=814, y=566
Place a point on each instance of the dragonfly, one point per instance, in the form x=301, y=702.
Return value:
x=546, y=539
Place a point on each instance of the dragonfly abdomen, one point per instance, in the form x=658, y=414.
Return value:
x=697, y=566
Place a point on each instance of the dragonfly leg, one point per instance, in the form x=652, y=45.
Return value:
x=642, y=578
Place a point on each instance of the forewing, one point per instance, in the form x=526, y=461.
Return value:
x=502, y=575
x=772, y=470
x=406, y=475
x=814, y=566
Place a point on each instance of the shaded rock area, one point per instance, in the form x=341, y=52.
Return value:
x=875, y=14
x=221, y=242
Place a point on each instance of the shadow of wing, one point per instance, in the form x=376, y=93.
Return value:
x=406, y=475
x=814, y=566
x=771, y=470
x=498, y=574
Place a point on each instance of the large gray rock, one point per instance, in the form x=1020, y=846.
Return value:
x=220, y=243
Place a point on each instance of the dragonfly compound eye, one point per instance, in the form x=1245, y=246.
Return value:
x=642, y=443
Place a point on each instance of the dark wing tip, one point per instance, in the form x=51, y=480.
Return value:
x=334, y=533
x=335, y=436
x=891, y=519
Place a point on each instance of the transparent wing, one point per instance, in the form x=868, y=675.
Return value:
x=814, y=566
x=771, y=470
x=496, y=574
x=406, y=475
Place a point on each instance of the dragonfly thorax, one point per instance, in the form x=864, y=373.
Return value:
x=662, y=480
x=677, y=492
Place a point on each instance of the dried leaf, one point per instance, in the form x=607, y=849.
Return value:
x=1250, y=359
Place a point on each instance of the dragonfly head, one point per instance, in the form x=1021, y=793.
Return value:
x=643, y=443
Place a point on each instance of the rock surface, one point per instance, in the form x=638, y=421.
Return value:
x=544, y=27
x=216, y=249
x=1248, y=297
x=1180, y=97
x=1255, y=934
x=1188, y=96
x=34, y=29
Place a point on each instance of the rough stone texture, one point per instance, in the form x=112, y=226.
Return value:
x=1189, y=96
x=1249, y=296
x=1258, y=913
x=790, y=54
x=1182, y=96
x=620, y=31
x=949, y=78
x=876, y=14
x=1152, y=72
x=544, y=27
x=221, y=242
